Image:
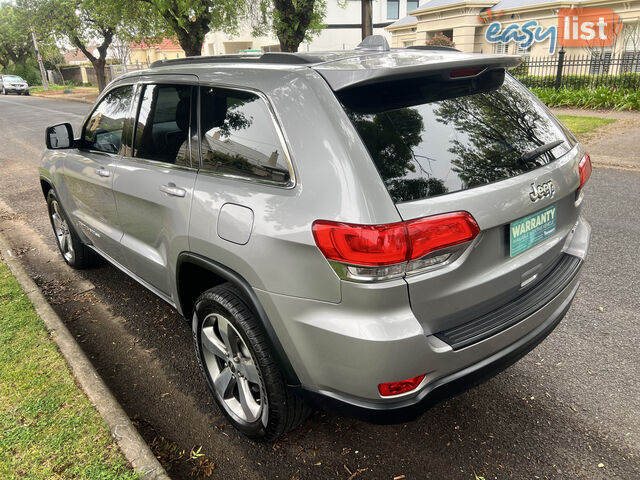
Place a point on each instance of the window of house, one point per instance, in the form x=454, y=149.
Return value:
x=631, y=52
x=238, y=137
x=501, y=48
x=600, y=61
x=631, y=61
x=103, y=130
x=163, y=125
x=525, y=52
x=393, y=9
x=412, y=5
x=409, y=43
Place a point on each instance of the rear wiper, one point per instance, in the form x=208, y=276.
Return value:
x=538, y=151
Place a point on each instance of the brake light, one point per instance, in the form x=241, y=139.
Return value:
x=394, y=243
x=470, y=72
x=403, y=386
x=585, y=168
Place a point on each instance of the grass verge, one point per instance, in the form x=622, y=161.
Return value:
x=580, y=125
x=48, y=427
x=51, y=88
x=57, y=89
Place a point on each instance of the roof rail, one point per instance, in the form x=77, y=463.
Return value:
x=432, y=47
x=280, y=58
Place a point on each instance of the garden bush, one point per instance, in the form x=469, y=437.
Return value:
x=576, y=82
x=601, y=97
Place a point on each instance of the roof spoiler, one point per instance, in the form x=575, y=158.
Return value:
x=379, y=69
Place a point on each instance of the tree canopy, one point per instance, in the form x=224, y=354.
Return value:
x=191, y=20
x=295, y=21
x=94, y=23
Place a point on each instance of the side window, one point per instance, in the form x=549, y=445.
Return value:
x=162, y=130
x=103, y=131
x=238, y=136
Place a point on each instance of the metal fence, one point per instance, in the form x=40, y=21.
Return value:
x=581, y=71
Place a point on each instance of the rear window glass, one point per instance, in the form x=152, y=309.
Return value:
x=436, y=147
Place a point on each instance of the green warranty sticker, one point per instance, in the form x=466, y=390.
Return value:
x=531, y=230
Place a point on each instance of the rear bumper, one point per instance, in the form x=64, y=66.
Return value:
x=448, y=386
x=341, y=352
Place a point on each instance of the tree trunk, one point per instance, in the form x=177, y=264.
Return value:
x=98, y=66
x=99, y=61
x=190, y=39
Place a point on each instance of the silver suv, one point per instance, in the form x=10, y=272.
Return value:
x=364, y=231
x=13, y=84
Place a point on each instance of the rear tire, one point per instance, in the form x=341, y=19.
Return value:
x=236, y=360
x=75, y=253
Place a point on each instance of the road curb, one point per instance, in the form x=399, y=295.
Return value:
x=132, y=445
x=66, y=97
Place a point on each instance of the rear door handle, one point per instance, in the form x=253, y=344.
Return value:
x=173, y=191
x=102, y=172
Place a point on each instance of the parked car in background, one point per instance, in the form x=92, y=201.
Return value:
x=363, y=231
x=13, y=84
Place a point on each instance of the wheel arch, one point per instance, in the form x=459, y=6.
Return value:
x=195, y=274
x=46, y=186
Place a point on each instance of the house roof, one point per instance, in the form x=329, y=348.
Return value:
x=165, y=44
x=408, y=20
x=509, y=4
x=75, y=56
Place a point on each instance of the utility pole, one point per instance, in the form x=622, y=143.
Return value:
x=43, y=72
x=367, y=22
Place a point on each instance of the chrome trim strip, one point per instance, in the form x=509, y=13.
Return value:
x=154, y=163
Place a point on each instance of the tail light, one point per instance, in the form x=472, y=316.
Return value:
x=470, y=72
x=585, y=168
x=376, y=252
x=403, y=386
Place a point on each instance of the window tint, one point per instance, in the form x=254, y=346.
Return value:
x=162, y=131
x=103, y=131
x=435, y=147
x=238, y=136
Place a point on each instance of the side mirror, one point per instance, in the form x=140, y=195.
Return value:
x=59, y=136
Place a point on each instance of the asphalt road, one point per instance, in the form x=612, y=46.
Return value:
x=569, y=409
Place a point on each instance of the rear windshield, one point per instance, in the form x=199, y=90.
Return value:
x=436, y=147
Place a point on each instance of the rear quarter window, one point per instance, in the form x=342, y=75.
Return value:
x=432, y=148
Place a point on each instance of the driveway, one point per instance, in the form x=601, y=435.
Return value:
x=570, y=409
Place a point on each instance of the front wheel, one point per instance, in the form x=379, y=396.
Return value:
x=4, y=92
x=237, y=363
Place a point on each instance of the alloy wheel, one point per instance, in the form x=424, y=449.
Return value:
x=233, y=371
x=63, y=234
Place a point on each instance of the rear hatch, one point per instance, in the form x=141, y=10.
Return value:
x=460, y=135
